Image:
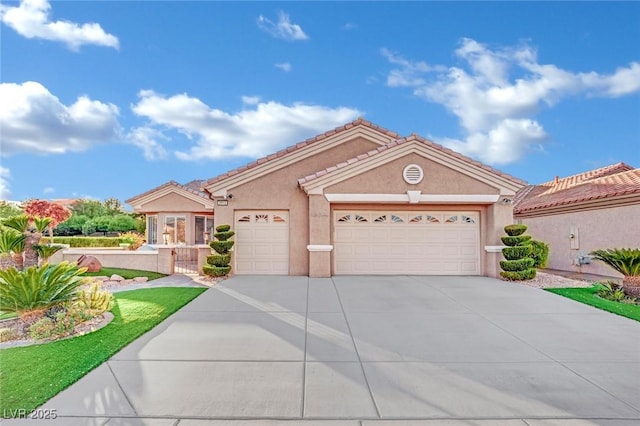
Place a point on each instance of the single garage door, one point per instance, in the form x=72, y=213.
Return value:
x=262, y=242
x=409, y=243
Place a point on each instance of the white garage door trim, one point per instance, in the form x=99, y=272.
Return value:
x=262, y=242
x=406, y=242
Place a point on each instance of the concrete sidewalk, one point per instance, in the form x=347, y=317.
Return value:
x=369, y=351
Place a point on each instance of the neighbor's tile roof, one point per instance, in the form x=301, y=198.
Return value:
x=606, y=182
x=192, y=187
x=299, y=145
x=403, y=141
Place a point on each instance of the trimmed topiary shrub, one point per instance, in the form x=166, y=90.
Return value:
x=518, y=265
x=515, y=230
x=539, y=253
x=218, y=264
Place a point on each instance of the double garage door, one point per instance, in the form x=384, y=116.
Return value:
x=409, y=243
x=367, y=242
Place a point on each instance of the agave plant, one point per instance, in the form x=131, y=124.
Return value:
x=32, y=229
x=627, y=262
x=39, y=287
x=10, y=243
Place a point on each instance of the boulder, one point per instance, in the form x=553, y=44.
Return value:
x=116, y=277
x=90, y=262
x=141, y=279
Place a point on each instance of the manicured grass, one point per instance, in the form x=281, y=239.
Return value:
x=125, y=273
x=32, y=375
x=588, y=297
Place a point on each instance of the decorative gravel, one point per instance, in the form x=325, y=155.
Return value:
x=544, y=280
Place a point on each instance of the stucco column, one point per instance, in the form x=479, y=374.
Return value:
x=498, y=216
x=319, y=237
x=203, y=252
x=165, y=260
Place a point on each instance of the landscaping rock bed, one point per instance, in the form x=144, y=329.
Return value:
x=544, y=280
x=116, y=281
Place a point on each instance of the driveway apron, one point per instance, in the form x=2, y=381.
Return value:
x=355, y=350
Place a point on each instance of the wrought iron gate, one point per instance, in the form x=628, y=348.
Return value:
x=185, y=260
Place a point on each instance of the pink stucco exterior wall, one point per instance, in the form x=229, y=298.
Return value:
x=611, y=227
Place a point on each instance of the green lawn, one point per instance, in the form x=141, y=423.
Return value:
x=588, y=297
x=32, y=375
x=125, y=273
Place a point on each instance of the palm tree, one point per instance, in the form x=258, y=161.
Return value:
x=32, y=229
x=10, y=240
x=625, y=261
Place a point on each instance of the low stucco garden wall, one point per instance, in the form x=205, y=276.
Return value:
x=149, y=260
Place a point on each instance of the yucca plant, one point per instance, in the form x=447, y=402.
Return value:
x=10, y=242
x=39, y=287
x=627, y=262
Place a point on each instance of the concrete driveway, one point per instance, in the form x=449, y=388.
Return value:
x=370, y=351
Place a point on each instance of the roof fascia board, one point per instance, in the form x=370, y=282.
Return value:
x=275, y=164
x=317, y=186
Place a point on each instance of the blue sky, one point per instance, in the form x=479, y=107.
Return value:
x=102, y=99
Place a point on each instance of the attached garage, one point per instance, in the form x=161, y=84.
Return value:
x=262, y=242
x=406, y=242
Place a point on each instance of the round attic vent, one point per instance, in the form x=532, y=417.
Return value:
x=413, y=174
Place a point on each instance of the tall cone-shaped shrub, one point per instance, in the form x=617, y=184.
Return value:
x=518, y=265
x=218, y=264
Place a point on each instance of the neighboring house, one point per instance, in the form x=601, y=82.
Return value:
x=358, y=199
x=176, y=214
x=575, y=215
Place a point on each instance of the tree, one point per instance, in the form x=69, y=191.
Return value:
x=113, y=206
x=8, y=210
x=44, y=208
x=121, y=223
x=72, y=226
x=98, y=224
x=89, y=208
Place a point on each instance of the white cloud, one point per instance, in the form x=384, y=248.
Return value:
x=49, y=190
x=35, y=121
x=496, y=94
x=251, y=100
x=147, y=139
x=255, y=131
x=5, y=176
x=31, y=20
x=285, y=66
x=283, y=29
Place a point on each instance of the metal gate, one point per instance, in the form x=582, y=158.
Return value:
x=185, y=260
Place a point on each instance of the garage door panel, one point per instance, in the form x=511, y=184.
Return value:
x=262, y=242
x=396, y=242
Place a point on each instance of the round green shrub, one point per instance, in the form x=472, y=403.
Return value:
x=515, y=253
x=216, y=271
x=515, y=230
x=527, y=274
x=539, y=253
x=224, y=236
x=219, y=259
x=520, y=240
x=223, y=228
x=516, y=265
x=221, y=247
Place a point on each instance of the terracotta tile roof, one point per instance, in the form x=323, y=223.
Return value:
x=300, y=145
x=607, y=182
x=402, y=141
x=192, y=187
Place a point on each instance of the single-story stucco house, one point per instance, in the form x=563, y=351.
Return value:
x=358, y=199
x=575, y=215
